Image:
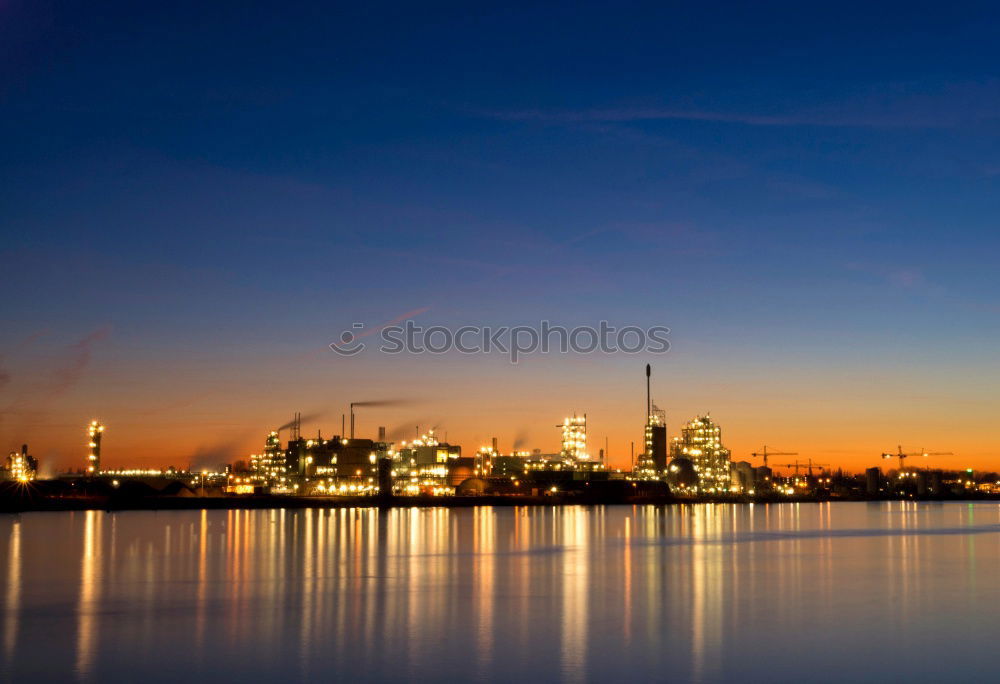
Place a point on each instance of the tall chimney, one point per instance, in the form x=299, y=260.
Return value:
x=649, y=403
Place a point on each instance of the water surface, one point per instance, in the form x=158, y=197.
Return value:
x=755, y=593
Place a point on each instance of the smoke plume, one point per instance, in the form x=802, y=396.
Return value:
x=68, y=375
x=211, y=456
x=382, y=402
x=304, y=418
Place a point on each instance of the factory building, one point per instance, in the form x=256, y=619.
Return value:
x=270, y=467
x=429, y=466
x=340, y=462
x=541, y=461
x=572, y=457
x=743, y=478
x=701, y=443
x=485, y=457
x=574, y=439
x=350, y=466
x=511, y=465
x=652, y=462
x=20, y=466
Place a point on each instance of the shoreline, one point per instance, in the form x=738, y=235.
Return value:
x=269, y=502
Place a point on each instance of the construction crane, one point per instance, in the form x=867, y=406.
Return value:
x=903, y=456
x=765, y=453
x=808, y=465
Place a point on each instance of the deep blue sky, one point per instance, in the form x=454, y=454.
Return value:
x=804, y=193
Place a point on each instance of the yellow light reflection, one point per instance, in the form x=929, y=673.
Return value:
x=90, y=593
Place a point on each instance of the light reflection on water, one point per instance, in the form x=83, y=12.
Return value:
x=825, y=592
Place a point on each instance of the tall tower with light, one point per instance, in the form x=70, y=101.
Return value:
x=653, y=459
x=574, y=439
x=95, y=430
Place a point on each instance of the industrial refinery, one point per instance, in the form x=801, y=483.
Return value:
x=694, y=465
x=20, y=467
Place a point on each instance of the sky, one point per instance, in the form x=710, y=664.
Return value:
x=196, y=199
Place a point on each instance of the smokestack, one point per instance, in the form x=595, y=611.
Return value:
x=24, y=449
x=381, y=433
x=649, y=403
x=352, y=421
x=495, y=450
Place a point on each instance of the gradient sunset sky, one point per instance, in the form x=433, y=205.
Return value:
x=196, y=198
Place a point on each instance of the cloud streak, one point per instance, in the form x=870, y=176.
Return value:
x=891, y=105
x=68, y=375
x=33, y=404
x=619, y=115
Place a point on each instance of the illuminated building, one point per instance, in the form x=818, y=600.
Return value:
x=653, y=460
x=318, y=466
x=429, y=466
x=701, y=443
x=21, y=467
x=485, y=458
x=94, y=430
x=484, y=461
x=574, y=439
x=557, y=462
x=270, y=467
x=341, y=460
x=512, y=465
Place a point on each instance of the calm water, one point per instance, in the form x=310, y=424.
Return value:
x=706, y=593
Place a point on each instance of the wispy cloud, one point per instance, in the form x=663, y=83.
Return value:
x=891, y=105
x=67, y=370
x=833, y=118
x=618, y=115
x=77, y=359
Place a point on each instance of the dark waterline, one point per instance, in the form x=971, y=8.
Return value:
x=780, y=592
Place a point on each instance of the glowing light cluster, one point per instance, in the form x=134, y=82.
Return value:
x=701, y=443
x=574, y=438
x=94, y=431
x=20, y=467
